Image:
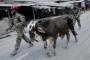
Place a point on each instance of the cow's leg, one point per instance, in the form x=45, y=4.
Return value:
x=68, y=37
x=46, y=49
x=73, y=32
x=51, y=45
x=45, y=45
x=71, y=26
x=78, y=21
x=31, y=35
x=54, y=47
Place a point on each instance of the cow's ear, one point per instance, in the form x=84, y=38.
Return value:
x=41, y=30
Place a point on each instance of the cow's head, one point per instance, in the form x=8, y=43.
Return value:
x=37, y=25
x=32, y=28
x=32, y=25
x=42, y=25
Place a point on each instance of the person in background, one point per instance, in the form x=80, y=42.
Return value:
x=76, y=12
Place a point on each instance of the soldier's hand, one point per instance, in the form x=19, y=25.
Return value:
x=15, y=26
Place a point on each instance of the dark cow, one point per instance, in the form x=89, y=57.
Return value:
x=49, y=29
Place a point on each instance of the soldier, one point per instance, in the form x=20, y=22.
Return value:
x=17, y=23
x=77, y=12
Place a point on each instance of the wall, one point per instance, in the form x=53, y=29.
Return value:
x=3, y=25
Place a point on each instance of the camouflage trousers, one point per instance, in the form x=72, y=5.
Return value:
x=21, y=36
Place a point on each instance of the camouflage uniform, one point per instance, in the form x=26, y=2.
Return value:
x=17, y=24
x=77, y=12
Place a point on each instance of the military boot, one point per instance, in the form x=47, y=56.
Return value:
x=14, y=52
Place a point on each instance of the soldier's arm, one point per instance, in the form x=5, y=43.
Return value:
x=22, y=19
x=79, y=12
x=10, y=24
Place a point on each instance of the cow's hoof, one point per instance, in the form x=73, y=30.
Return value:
x=76, y=41
x=48, y=54
x=65, y=47
x=30, y=45
x=54, y=53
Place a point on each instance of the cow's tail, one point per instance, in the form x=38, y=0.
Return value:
x=71, y=25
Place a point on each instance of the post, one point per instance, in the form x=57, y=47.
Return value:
x=34, y=13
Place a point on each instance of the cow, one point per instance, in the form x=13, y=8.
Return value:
x=49, y=29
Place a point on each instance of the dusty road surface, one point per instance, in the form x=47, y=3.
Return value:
x=75, y=51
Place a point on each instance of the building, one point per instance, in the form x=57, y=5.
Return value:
x=87, y=3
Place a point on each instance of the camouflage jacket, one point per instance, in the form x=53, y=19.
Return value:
x=17, y=22
x=76, y=12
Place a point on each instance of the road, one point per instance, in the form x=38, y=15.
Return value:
x=75, y=51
